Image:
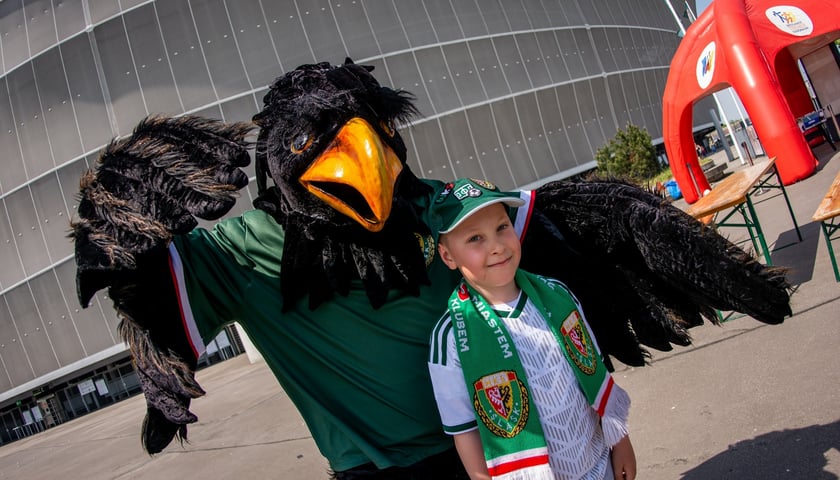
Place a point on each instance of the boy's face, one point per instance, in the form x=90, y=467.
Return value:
x=486, y=249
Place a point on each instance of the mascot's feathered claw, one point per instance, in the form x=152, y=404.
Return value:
x=145, y=189
x=347, y=211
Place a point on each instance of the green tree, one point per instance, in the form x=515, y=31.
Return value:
x=630, y=155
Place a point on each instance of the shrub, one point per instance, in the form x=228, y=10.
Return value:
x=630, y=155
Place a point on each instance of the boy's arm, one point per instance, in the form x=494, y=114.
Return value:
x=471, y=452
x=623, y=459
x=453, y=400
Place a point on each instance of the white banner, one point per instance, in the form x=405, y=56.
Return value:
x=86, y=387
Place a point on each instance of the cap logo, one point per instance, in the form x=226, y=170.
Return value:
x=466, y=190
x=484, y=184
x=447, y=189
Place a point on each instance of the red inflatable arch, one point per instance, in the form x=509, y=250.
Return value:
x=752, y=46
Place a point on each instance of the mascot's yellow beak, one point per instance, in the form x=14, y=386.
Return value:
x=356, y=174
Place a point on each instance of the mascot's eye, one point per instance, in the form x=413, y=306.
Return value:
x=388, y=127
x=300, y=144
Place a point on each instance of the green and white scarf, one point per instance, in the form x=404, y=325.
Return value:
x=513, y=441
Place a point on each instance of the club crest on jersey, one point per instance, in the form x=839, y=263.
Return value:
x=427, y=246
x=501, y=401
x=578, y=344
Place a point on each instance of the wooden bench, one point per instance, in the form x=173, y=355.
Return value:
x=827, y=214
x=714, y=172
x=733, y=195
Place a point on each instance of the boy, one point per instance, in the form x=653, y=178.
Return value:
x=517, y=376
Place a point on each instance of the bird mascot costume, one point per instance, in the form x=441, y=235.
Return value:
x=334, y=274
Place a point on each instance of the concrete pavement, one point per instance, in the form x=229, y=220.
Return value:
x=746, y=401
x=749, y=400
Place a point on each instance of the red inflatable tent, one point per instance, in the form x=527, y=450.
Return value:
x=752, y=46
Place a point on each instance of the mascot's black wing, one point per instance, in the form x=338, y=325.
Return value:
x=145, y=189
x=644, y=270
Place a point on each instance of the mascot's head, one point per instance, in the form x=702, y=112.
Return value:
x=328, y=139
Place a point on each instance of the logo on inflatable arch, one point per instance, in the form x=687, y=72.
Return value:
x=790, y=20
x=706, y=66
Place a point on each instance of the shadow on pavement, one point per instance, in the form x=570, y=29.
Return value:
x=798, y=453
x=799, y=257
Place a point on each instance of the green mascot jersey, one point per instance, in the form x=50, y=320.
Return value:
x=362, y=400
x=357, y=375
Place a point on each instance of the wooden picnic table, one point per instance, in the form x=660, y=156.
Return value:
x=735, y=192
x=827, y=213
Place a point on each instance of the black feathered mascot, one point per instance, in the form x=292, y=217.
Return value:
x=334, y=274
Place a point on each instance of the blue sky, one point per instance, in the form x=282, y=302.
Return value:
x=701, y=5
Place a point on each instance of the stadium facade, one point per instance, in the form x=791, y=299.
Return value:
x=515, y=91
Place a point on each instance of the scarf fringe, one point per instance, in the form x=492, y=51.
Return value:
x=614, y=421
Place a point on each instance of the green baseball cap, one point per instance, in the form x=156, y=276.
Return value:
x=462, y=198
